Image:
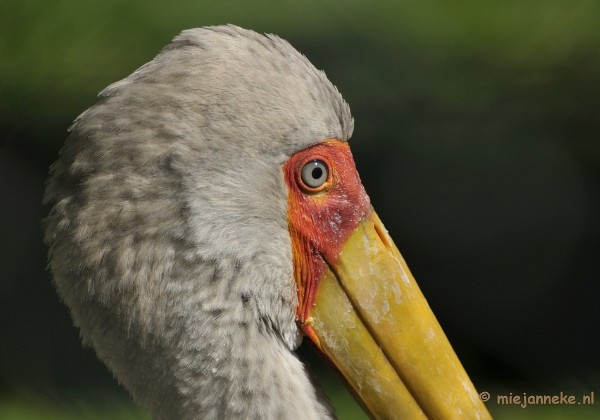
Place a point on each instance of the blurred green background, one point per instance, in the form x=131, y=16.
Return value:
x=477, y=138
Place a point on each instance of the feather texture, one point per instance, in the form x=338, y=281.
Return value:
x=168, y=228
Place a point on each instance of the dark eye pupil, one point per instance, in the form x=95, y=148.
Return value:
x=314, y=174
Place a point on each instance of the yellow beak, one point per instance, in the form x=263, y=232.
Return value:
x=372, y=321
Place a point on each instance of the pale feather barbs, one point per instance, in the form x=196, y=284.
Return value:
x=194, y=253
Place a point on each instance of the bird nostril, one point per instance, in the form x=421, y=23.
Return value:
x=380, y=230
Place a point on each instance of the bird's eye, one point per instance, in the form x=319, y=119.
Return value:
x=314, y=174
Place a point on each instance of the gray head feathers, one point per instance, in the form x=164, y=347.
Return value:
x=239, y=85
x=168, y=230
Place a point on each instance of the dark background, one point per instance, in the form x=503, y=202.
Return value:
x=477, y=138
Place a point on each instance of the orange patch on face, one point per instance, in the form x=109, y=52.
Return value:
x=324, y=208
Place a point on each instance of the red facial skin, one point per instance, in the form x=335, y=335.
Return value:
x=321, y=219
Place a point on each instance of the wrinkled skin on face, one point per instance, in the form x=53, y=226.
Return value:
x=321, y=218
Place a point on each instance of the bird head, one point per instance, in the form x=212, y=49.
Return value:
x=207, y=215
